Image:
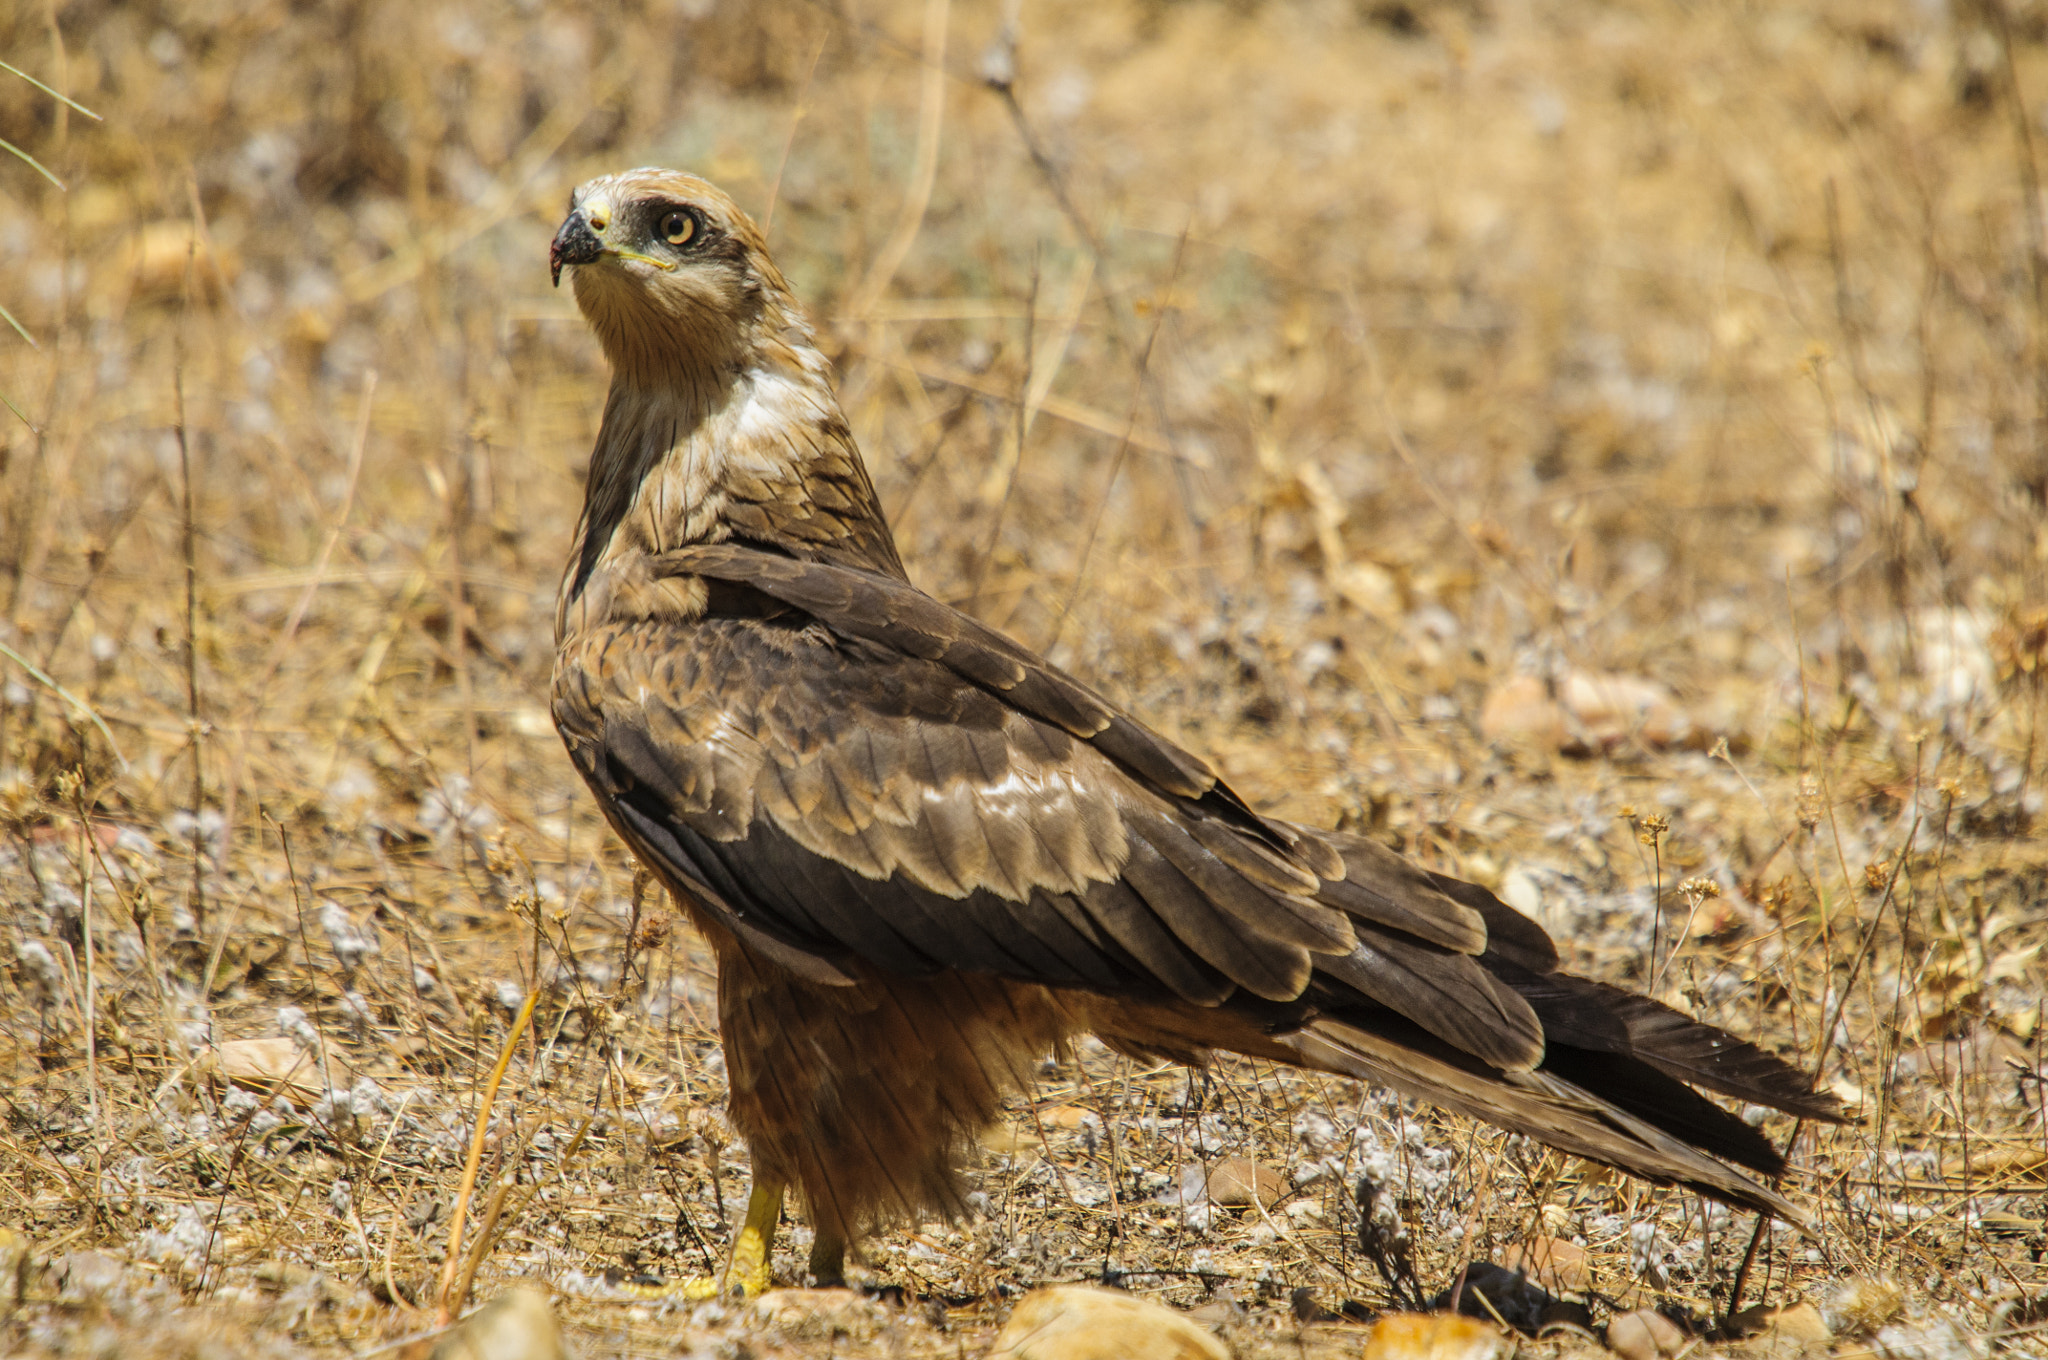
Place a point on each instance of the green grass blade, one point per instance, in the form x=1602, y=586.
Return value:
x=19, y=329
x=44, y=170
x=52, y=93
x=78, y=705
x=8, y=402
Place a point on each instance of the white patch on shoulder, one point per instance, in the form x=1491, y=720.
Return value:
x=774, y=404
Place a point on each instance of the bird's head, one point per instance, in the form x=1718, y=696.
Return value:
x=669, y=272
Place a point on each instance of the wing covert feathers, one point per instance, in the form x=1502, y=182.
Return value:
x=852, y=776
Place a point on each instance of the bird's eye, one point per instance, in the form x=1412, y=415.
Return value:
x=677, y=228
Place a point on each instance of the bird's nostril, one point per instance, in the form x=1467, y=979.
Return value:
x=598, y=217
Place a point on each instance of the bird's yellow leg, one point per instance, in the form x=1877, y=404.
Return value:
x=746, y=1270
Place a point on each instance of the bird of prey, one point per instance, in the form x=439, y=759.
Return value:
x=925, y=856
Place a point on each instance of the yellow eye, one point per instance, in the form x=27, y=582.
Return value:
x=677, y=228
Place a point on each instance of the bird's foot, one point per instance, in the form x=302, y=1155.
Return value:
x=747, y=1274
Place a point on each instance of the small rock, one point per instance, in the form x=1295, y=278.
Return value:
x=87, y=1272
x=1489, y=1292
x=1644, y=1334
x=1591, y=711
x=1611, y=708
x=159, y=257
x=1064, y=1117
x=815, y=1314
x=1552, y=1262
x=1521, y=712
x=1237, y=1182
x=1433, y=1336
x=1080, y=1322
x=1801, y=1322
x=519, y=1324
x=275, y=1066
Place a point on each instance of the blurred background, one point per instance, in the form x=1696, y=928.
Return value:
x=1596, y=445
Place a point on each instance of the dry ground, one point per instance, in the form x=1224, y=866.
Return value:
x=1300, y=372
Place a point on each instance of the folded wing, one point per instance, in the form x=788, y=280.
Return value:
x=854, y=777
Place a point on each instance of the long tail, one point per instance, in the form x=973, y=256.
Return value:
x=1657, y=1144
x=1614, y=1082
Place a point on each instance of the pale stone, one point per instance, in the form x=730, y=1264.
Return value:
x=1644, y=1334
x=1433, y=1336
x=817, y=1314
x=275, y=1066
x=1552, y=1262
x=1080, y=1322
x=519, y=1324
x=1237, y=1182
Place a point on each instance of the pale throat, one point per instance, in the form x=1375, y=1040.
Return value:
x=672, y=461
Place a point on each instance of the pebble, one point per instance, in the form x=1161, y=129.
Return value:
x=1591, y=711
x=1552, y=1262
x=87, y=1272
x=518, y=1324
x=1238, y=1182
x=1433, y=1336
x=1080, y=1322
x=817, y=1314
x=274, y=1066
x=1644, y=1334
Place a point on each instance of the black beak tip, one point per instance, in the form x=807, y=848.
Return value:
x=575, y=243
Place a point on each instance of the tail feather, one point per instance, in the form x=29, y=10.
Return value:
x=1603, y=1019
x=1544, y=1105
x=1671, y=1105
x=1601, y=1072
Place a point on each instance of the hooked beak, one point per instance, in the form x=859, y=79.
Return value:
x=575, y=243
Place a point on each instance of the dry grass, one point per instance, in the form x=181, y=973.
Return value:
x=1297, y=371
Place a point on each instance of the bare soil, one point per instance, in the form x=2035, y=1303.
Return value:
x=1304, y=374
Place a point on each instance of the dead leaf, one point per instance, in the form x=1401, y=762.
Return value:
x=275, y=1066
x=2000, y=1162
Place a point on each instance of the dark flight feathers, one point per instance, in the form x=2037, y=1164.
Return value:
x=853, y=776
